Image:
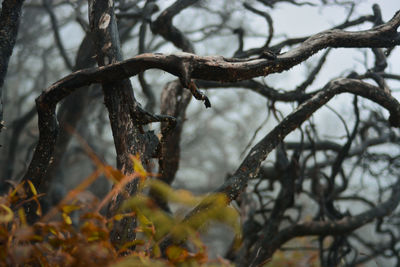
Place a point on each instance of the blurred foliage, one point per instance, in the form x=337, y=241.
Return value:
x=76, y=233
x=299, y=252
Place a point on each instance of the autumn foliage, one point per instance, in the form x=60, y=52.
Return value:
x=76, y=233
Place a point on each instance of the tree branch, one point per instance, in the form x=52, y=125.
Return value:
x=250, y=166
x=56, y=31
x=9, y=23
x=265, y=248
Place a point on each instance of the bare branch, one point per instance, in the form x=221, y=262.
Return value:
x=250, y=166
x=57, y=37
x=9, y=23
x=343, y=226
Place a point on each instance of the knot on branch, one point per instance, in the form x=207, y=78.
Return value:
x=198, y=94
x=186, y=81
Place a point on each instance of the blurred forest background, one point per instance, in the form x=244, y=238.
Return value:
x=341, y=162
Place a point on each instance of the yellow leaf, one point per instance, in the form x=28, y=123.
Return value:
x=39, y=208
x=175, y=253
x=66, y=218
x=93, y=238
x=7, y=215
x=53, y=230
x=143, y=220
x=22, y=217
x=138, y=167
x=69, y=208
x=119, y=217
x=32, y=187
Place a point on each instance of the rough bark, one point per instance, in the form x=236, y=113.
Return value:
x=129, y=138
x=9, y=23
x=174, y=101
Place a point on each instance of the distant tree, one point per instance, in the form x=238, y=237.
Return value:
x=302, y=191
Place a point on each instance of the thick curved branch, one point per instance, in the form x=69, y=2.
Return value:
x=72, y=109
x=217, y=68
x=297, y=94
